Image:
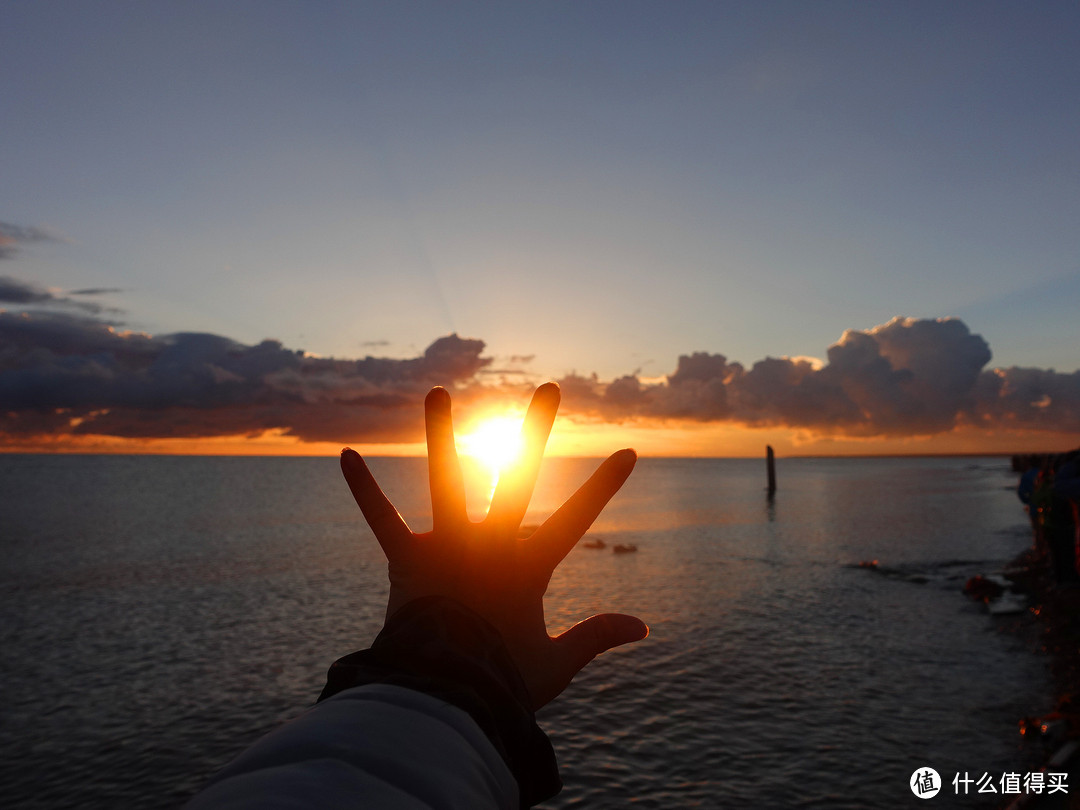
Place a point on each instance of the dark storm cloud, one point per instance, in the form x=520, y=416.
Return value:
x=70, y=374
x=11, y=236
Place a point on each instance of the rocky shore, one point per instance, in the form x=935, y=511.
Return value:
x=1053, y=631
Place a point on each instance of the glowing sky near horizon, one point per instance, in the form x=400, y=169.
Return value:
x=600, y=187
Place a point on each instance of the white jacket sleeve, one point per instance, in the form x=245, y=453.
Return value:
x=373, y=746
x=433, y=715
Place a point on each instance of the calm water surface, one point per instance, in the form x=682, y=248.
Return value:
x=160, y=613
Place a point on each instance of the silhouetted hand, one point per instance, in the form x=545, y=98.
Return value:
x=485, y=565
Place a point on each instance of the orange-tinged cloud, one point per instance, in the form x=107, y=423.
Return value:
x=72, y=382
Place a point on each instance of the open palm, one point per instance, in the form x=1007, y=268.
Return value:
x=486, y=565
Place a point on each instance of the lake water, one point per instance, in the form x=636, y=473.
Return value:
x=160, y=613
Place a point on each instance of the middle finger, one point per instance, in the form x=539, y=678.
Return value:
x=444, y=471
x=515, y=487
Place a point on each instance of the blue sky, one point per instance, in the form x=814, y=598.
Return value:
x=657, y=178
x=604, y=186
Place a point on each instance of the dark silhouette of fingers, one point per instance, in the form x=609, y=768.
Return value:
x=390, y=530
x=515, y=487
x=562, y=530
x=444, y=471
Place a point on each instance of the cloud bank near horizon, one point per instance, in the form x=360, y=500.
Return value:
x=65, y=373
x=904, y=378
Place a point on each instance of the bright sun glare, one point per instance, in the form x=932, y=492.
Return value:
x=494, y=442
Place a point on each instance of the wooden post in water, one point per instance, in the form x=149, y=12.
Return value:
x=770, y=462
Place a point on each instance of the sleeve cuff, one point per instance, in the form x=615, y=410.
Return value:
x=438, y=646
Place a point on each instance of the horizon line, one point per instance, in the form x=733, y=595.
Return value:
x=973, y=454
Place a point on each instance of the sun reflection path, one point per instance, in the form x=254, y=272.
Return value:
x=492, y=445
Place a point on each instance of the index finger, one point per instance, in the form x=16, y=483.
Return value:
x=562, y=530
x=389, y=527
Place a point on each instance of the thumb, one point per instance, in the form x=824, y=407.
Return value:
x=586, y=640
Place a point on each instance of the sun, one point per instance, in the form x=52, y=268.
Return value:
x=495, y=442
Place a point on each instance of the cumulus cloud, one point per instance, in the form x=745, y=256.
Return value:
x=1031, y=398
x=904, y=378
x=70, y=374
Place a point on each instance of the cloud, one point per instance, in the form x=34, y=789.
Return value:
x=64, y=373
x=11, y=236
x=97, y=291
x=512, y=366
x=13, y=291
x=1031, y=398
x=67, y=374
x=904, y=378
x=23, y=293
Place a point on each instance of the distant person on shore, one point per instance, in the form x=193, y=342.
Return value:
x=1066, y=507
x=1025, y=491
x=439, y=711
x=1054, y=500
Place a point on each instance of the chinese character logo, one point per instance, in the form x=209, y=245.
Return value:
x=925, y=783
